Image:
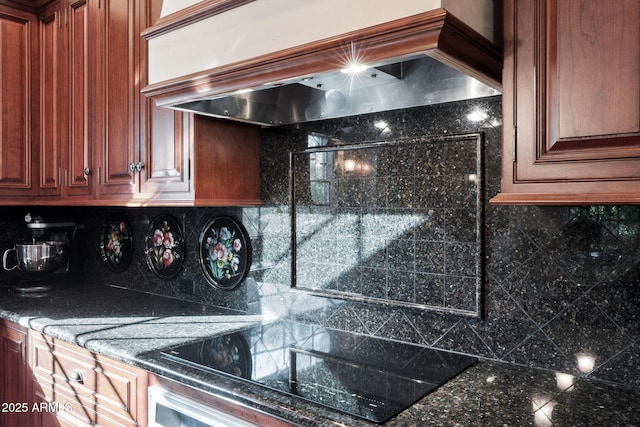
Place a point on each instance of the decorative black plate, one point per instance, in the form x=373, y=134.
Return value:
x=165, y=247
x=117, y=244
x=229, y=353
x=225, y=252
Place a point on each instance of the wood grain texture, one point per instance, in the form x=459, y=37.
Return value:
x=571, y=102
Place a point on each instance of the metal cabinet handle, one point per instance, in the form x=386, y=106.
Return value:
x=87, y=171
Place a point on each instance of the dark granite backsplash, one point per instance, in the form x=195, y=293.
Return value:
x=561, y=289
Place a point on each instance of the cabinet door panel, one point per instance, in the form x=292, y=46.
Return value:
x=18, y=39
x=166, y=135
x=587, y=64
x=79, y=144
x=165, y=151
x=595, y=42
x=571, y=97
x=51, y=114
x=119, y=92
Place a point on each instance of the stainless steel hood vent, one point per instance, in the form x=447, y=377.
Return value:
x=421, y=81
x=424, y=59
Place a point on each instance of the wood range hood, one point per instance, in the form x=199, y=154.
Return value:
x=425, y=58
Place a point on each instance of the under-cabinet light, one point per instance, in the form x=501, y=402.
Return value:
x=354, y=68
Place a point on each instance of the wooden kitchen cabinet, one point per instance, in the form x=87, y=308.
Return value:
x=166, y=136
x=227, y=163
x=18, y=95
x=15, y=382
x=76, y=130
x=115, y=145
x=51, y=114
x=84, y=388
x=571, y=102
x=193, y=160
x=115, y=102
x=83, y=134
x=88, y=99
x=65, y=148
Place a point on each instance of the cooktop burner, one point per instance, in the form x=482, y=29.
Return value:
x=368, y=377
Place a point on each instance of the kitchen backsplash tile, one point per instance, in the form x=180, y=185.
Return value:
x=562, y=284
x=368, y=227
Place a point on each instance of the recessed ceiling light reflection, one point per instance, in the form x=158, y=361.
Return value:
x=477, y=116
x=349, y=165
x=565, y=382
x=586, y=362
x=543, y=407
x=380, y=124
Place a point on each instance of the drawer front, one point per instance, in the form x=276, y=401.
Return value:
x=76, y=409
x=67, y=415
x=96, y=388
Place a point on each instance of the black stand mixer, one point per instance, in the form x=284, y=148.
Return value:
x=51, y=260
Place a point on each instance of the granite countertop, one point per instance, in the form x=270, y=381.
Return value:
x=132, y=327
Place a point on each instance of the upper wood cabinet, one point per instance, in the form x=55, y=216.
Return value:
x=227, y=163
x=76, y=129
x=18, y=95
x=115, y=101
x=79, y=167
x=87, y=99
x=166, y=136
x=66, y=161
x=571, y=102
x=51, y=77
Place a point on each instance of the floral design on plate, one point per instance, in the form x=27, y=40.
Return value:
x=165, y=247
x=230, y=354
x=225, y=252
x=117, y=244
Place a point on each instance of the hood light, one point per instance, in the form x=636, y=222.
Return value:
x=354, y=69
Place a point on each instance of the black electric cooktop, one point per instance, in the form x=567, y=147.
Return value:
x=368, y=377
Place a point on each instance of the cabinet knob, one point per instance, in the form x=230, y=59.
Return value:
x=87, y=171
x=136, y=167
x=76, y=376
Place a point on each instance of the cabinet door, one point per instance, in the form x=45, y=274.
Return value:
x=52, y=116
x=79, y=165
x=166, y=137
x=571, y=94
x=15, y=378
x=115, y=129
x=18, y=72
x=165, y=146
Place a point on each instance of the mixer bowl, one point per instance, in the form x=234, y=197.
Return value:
x=43, y=257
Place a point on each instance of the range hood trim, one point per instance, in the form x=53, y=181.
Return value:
x=436, y=33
